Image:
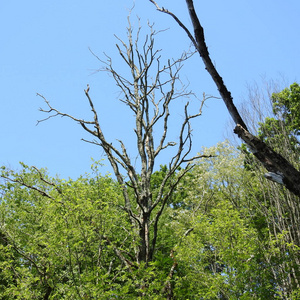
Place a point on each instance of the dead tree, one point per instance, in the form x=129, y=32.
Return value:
x=149, y=94
x=279, y=169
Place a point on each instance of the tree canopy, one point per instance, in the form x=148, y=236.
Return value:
x=220, y=237
x=282, y=130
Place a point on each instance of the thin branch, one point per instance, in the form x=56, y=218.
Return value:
x=46, y=181
x=166, y=11
x=57, y=113
x=23, y=183
x=127, y=262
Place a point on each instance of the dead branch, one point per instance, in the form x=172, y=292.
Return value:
x=290, y=176
x=272, y=161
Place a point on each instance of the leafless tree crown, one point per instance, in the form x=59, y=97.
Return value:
x=148, y=92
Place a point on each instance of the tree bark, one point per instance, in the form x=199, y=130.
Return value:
x=271, y=160
x=209, y=66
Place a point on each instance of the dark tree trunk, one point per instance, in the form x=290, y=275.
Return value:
x=273, y=162
x=144, y=254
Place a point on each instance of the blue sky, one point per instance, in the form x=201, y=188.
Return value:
x=45, y=49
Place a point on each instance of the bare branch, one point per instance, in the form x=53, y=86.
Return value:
x=166, y=11
x=21, y=181
x=126, y=262
x=57, y=113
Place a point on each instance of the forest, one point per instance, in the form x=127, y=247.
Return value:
x=220, y=224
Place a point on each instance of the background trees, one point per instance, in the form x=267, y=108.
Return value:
x=226, y=233
x=237, y=216
x=281, y=131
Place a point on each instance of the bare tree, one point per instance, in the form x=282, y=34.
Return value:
x=279, y=167
x=149, y=98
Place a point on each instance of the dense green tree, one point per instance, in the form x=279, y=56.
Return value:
x=221, y=237
x=231, y=250
x=282, y=130
x=61, y=235
x=287, y=105
x=63, y=239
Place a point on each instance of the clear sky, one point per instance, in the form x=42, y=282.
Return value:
x=45, y=49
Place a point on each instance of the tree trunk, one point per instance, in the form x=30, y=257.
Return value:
x=271, y=160
x=144, y=254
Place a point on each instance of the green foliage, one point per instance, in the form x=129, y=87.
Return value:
x=282, y=131
x=59, y=240
x=177, y=197
x=287, y=105
x=231, y=253
x=63, y=239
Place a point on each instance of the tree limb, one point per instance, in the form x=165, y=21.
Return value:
x=264, y=154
